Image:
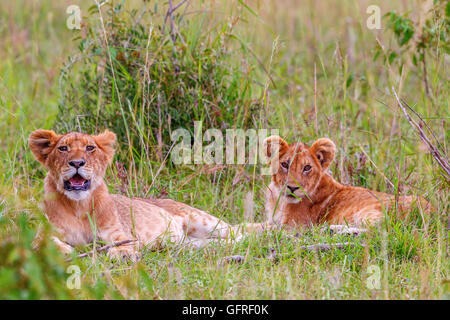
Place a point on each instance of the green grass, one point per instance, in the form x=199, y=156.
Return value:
x=355, y=108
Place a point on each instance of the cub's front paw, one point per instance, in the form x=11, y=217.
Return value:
x=62, y=246
x=343, y=229
x=123, y=253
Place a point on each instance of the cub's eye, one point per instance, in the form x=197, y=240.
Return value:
x=90, y=148
x=63, y=148
x=307, y=168
x=285, y=164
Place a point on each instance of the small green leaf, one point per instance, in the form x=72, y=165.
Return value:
x=376, y=55
x=392, y=56
x=409, y=32
x=414, y=60
x=350, y=80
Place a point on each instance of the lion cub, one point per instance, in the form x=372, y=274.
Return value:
x=302, y=192
x=77, y=201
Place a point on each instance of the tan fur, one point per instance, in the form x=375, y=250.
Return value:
x=319, y=198
x=114, y=217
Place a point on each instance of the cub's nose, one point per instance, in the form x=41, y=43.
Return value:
x=292, y=188
x=77, y=163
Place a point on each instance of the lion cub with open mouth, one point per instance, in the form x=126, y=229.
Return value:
x=302, y=191
x=75, y=193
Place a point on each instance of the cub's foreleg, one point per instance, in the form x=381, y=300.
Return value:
x=110, y=229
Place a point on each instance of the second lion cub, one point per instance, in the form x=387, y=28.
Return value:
x=302, y=191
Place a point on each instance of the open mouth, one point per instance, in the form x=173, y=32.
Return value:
x=293, y=197
x=77, y=183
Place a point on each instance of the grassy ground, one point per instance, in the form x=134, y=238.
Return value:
x=296, y=42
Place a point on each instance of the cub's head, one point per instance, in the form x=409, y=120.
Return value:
x=76, y=161
x=298, y=168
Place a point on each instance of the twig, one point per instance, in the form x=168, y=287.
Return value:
x=433, y=150
x=169, y=13
x=273, y=256
x=100, y=249
x=421, y=121
x=344, y=229
x=325, y=247
x=235, y=259
x=178, y=5
x=425, y=76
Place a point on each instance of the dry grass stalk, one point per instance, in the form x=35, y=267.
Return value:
x=418, y=128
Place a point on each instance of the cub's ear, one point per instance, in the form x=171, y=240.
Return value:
x=324, y=149
x=41, y=143
x=106, y=142
x=272, y=143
